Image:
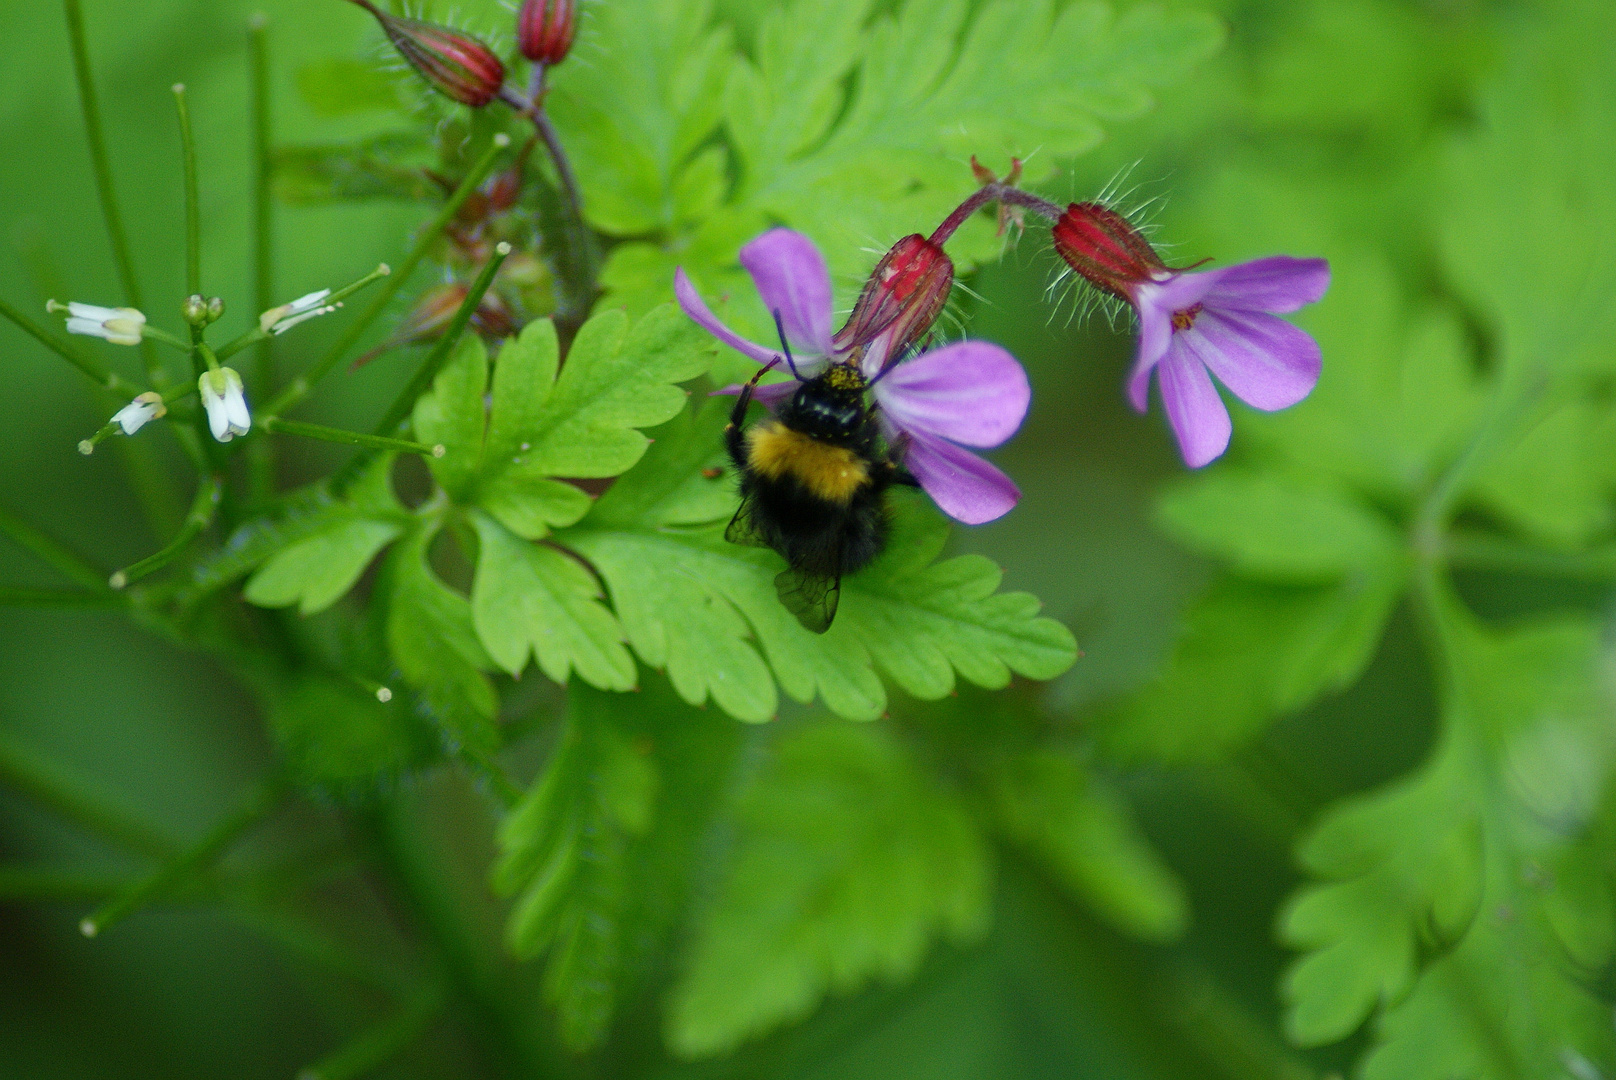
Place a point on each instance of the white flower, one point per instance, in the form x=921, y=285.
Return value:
x=133, y=416
x=222, y=397
x=121, y=326
x=278, y=320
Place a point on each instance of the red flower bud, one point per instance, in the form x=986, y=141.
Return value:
x=544, y=29
x=902, y=298
x=456, y=64
x=1107, y=251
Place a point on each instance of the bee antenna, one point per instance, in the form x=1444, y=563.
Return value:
x=914, y=348
x=780, y=327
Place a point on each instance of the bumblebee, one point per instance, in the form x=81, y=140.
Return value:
x=814, y=479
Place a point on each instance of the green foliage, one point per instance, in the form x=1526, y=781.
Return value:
x=688, y=599
x=336, y=736
x=845, y=131
x=1067, y=819
x=846, y=861
x=1478, y=858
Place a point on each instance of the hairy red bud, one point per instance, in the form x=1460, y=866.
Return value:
x=1107, y=251
x=544, y=29
x=456, y=64
x=902, y=298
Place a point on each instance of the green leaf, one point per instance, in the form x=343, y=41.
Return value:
x=637, y=112
x=337, y=737
x=316, y=572
x=687, y=598
x=452, y=414
x=1249, y=653
x=341, y=86
x=1064, y=817
x=1448, y=865
x=432, y=639
x=566, y=856
x=1275, y=528
x=847, y=861
x=531, y=598
x=1554, y=484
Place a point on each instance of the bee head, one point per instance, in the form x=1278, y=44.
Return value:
x=829, y=406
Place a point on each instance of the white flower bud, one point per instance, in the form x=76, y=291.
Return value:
x=121, y=326
x=133, y=416
x=225, y=403
x=278, y=320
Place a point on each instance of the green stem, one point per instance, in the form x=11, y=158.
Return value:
x=299, y=388
x=10, y=597
x=423, y=892
x=405, y=402
x=98, y=374
x=200, y=516
x=349, y=438
x=205, y=351
x=102, y=167
x=44, y=885
x=258, y=334
x=383, y=1042
x=156, y=334
x=1477, y=551
x=193, y=211
x=184, y=867
x=78, y=801
x=62, y=558
x=311, y=943
x=260, y=452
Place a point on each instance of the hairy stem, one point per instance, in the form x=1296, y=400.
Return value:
x=577, y=252
x=184, y=867
x=990, y=193
x=102, y=167
x=299, y=388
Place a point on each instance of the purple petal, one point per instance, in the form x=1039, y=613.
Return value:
x=1268, y=363
x=1155, y=334
x=1196, y=412
x=791, y=277
x=972, y=393
x=771, y=394
x=964, y=486
x=1279, y=283
x=694, y=306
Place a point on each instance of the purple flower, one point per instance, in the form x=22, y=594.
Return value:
x=1224, y=321
x=967, y=394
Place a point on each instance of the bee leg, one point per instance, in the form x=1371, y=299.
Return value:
x=734, y=439
x=896, y=473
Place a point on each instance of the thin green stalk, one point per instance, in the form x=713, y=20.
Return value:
x=200, y=516
x=43, y=885
x=382, y=1042
x=405, y=402
x=188, y=864
x=260, y=452
x=101, y=165
x=97, y=374
x=420, y=886
x=299, y=387
x=155, y=334
x=56, y=554
x=56, y=598
x=350, y=438
x=193, y=210
x=310, y=942
x=1475, y=551
x=78, y=801
x=258, y=334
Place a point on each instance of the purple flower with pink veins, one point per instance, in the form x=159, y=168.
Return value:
x=932, y=405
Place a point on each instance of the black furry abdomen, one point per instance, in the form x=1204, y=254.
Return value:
x=819, y=537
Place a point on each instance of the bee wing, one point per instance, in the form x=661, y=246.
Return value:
x=811, y=597
x=741, y=530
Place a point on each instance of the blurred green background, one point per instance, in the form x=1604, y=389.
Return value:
x=1322, y=116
